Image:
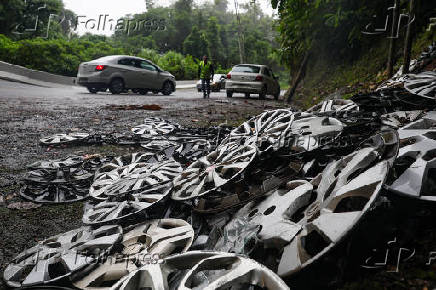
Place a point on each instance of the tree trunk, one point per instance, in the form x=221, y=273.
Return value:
x=300, y=75
x=393, y=39
x=409, y=38
x=240, y=35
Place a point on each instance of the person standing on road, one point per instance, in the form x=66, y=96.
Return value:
x=205, y=73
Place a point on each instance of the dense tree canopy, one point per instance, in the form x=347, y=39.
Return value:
x=184, y=31
x=209, y=28
x=29, y=19
x=334, y=27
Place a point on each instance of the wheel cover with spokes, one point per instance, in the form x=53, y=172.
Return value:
x=337, y=105
x=133, y=177
x=122, y=161
x=348, y=188
x=64, y=138
x=155, y=127
x=309, y=133
x=423, y=84
x=142, y=244
x=60, y=256
x=192, y=150
x=323, y=207
x=203, y=270
x=415, y=167
x=264, y=130
x=160, y=238
x=159, y=145
x=104, y=275
x=142, y=188
x=213, y=171
x=60, y=181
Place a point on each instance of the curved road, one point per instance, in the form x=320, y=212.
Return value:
x=79, y=97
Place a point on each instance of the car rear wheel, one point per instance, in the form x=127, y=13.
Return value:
x=143, y=92
x=92, y=90
x=117, y=86
x=229, y=94
x=167, y=89
x=277, y=94
x=262, y=94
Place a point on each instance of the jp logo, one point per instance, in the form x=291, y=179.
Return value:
x=403, y=19
x=389, y=258
x=32, y=25
x=34, y=12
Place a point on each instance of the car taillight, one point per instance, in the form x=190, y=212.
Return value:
x=100, y=67
x=229, y=76
x=259, y=78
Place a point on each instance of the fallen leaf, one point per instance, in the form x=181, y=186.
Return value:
x=87, y=156
x=10, y=196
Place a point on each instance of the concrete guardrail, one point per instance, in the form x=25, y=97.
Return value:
x=36, y=75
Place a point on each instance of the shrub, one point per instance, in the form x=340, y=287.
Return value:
x=60, y=56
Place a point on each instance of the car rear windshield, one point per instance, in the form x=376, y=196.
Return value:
x=217, y=78
x=247, y=69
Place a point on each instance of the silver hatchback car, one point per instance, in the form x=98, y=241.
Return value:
x=120, y=73
x=252, y=79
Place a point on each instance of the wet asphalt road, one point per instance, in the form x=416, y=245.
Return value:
x=79, y=96
x=31, y=112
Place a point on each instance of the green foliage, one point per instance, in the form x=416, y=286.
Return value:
x=172, y=61
x=7, y=49
x=183, y=27
x=149, y=54
x=334, y=27
x=213, y=37
x=190, y=67
x=17, y=17
x=209, y=28
x=196, y=43
x=63, y=57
